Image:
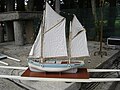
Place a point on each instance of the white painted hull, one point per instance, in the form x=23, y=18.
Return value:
x=54, y=67
x=46, y=69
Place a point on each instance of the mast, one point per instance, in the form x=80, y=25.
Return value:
x=42, y=35
x=69, y=44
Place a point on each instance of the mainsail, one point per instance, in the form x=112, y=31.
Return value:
x=54, y=39
x=78, y=40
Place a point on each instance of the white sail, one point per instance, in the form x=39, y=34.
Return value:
x=79, y=46
x=54, y=39
x=51, y=18
x=36, y=48
x=55, y=42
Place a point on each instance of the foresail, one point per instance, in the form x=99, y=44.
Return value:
x=79, y=46
x=36, y=48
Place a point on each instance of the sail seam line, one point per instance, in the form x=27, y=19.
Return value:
x=54, y=26
x=78, y=34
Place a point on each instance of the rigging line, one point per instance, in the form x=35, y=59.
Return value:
x=54, y=26
x=77, y=34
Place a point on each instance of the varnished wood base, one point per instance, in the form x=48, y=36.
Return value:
x=81, y=74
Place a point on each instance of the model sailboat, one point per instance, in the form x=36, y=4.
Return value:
x=51, y=43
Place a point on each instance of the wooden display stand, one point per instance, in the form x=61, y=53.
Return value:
x=81, y=74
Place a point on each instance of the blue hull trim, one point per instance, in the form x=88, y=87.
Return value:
x=56, y=65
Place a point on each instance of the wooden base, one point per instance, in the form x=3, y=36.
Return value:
x=81, y=74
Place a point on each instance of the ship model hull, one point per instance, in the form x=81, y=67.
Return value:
x=55, y=67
